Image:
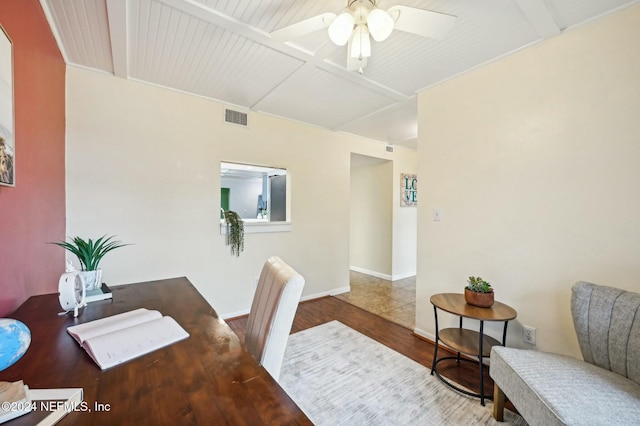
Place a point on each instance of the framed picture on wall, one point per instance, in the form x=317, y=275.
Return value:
x=7, y=138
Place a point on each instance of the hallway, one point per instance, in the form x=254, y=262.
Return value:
x=392, y=300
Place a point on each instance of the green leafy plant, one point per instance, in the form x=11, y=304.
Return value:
x=479, y=285
x=90, y=252
x=235, y=232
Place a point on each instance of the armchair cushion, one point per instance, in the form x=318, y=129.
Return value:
x=552, y=389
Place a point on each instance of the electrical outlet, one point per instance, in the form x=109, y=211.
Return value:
x=529, y=334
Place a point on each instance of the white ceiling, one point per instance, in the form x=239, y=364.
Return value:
x=222, y=50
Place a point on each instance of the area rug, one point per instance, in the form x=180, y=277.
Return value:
x=339, y=376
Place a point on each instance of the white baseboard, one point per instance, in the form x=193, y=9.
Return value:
x=331, y=292
x=340, y=290
x=381, y=275
x=403, y=276
x=372, y=273
x=424, y=334
x=235, y=314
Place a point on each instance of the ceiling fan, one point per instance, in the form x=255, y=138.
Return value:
x=361, y=20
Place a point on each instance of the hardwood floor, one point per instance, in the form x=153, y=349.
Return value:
x=396, y=337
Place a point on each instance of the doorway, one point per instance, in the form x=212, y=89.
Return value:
x=371, y=244
x=371, y=216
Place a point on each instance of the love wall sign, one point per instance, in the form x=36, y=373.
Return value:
x=408, y=190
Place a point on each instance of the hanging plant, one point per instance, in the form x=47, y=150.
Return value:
x=235, y=232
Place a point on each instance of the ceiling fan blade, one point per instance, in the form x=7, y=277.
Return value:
x=302, y=28
x=422, y=22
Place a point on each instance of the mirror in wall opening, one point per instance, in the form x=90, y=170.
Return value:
x=256, y=193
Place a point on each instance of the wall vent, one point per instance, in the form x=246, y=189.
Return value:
x=235, y=117
x=389, y=148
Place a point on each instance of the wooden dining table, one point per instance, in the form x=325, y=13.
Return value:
x=208, y=378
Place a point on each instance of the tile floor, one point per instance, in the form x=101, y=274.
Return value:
x=392, y=300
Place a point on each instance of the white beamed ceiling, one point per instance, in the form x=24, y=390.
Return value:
x=222, y=50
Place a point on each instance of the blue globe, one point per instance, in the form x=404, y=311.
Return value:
x=15, y=338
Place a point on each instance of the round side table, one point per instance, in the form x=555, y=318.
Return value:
x=465, y=341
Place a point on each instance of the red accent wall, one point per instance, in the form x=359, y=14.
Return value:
x=33, y=213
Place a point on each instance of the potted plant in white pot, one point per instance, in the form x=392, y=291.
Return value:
x=90, y=253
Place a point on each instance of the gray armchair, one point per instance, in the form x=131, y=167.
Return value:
x=551, y=389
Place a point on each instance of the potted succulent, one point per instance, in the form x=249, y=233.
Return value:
x=235, y=232
x=90, y=253
x=478, y=292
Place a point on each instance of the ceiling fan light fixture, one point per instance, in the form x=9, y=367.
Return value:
x=380, y=24
x=341, y=28
x=361, y=43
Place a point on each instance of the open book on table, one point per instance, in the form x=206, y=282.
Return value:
x=113, y=340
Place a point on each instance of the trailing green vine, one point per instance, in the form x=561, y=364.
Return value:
x=235, y=232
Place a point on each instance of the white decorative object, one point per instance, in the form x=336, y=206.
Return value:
x=72, y=292
x=70, y=267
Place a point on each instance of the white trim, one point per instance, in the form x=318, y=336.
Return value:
x=381, y=275
x=259, y=227
x=403, y=276
x=424, y=334
x=117, y=11
x=54, y=30
x=340, y=290
x=601, y=15
x=100, y=71
x=540, y=17
x=234, y=314
x=372, y=273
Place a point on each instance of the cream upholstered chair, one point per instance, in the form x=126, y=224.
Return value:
x=272, y=311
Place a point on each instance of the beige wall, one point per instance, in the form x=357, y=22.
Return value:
x=534, y=163
x=405, y=219
x=144, y=163
x=371, y=219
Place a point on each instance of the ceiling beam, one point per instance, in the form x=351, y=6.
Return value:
x=257, y=35
x=118, y=32
x=402, y=115
x=54, y=29
x=540, y=17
